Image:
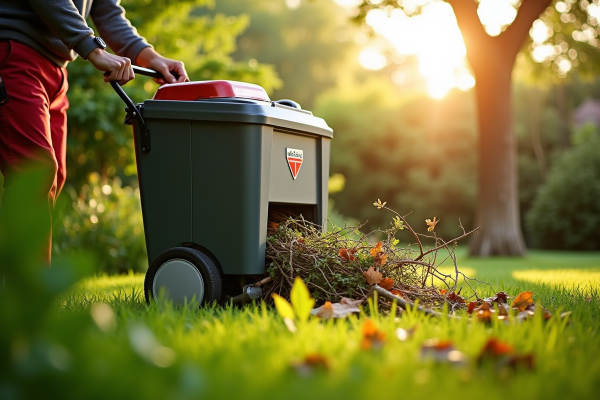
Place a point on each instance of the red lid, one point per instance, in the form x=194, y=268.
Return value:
x=190, y=91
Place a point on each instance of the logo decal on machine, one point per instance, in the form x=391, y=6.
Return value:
x=294, y=160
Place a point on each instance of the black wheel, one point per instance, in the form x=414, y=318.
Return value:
x=183, y=272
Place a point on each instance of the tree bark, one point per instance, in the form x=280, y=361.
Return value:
x=498, y=200
x=492, y=60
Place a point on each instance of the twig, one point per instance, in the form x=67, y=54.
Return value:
x=405, y=304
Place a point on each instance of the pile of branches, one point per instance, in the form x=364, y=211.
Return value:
x=344, y=262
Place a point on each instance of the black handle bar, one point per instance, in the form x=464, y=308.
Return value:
x=147, y=72
x=132, y=110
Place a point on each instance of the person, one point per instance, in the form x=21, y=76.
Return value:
x=37, y=40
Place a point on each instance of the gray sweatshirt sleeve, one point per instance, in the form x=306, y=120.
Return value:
x=116, y=30
x=64, y=20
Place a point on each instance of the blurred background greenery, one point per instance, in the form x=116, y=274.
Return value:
x=397, y=137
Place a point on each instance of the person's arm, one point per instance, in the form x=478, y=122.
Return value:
x=115, y=29
x=64, y=20
x=123, y=39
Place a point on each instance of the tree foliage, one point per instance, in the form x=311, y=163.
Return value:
x=311, y=46
x=412, y=151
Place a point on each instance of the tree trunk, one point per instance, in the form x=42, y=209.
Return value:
x=492, y=60
x=498, y=200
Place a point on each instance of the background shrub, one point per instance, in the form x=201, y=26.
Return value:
x=566, y=211
x=104, y=219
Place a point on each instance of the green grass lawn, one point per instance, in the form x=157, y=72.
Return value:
x=248, y=352
x=100, y=340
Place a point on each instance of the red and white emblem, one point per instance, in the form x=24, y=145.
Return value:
x=294, y=160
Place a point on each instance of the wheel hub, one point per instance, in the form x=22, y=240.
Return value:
x=181, y=281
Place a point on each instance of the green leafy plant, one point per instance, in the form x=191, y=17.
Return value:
x=105, y=219
x=566, y=211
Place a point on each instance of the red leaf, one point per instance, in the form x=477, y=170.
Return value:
x=472, y=305
x=455, y=298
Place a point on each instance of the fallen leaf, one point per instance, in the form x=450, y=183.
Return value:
x=503, y=309
x=525, y=315
x=310, y=364
x=379, y=204
x=324, y=312
x=546, y=314
x=273, y=225
x=372, y=276
x=399, y=294
x=431, y=224
x=403, y=335
x=376, y=252
x=442, y=352
x=348, y=254
x=381, y=259
x=499, y=298
x=504, y=355
x=443, y=291
x=376, y=249
x=387, y=283
x=521, y=360
x=495, y=348
x=472, y=306
x=456, y=298
x=372, y=338
x=337, y=310
x=484, y=313
x=589, y=299
x=351, y=302
x=523, y=301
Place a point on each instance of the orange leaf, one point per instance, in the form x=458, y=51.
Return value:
x=311, y=363
x=348, y=254
x=399, y=294
x=326, y=312
x=376, y=249
x=273, y=225
x=443, y=291
x=372, y=338
x=522, y=301
x=372, y=276
x=381, y=259
x=387, y=283
x=431, y=224
x=484, y=313
x=495, y=348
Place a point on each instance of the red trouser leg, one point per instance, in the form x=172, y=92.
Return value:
x=33, y=123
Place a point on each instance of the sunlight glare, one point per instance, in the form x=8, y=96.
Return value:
x=496, y=14
x=540, y=31
x=348, y=3
x=433, y=37
x=371, y=58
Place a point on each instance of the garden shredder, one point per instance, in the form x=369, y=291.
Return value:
x=214, y=160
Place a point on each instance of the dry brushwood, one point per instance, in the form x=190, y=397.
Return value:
x=343, y=263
